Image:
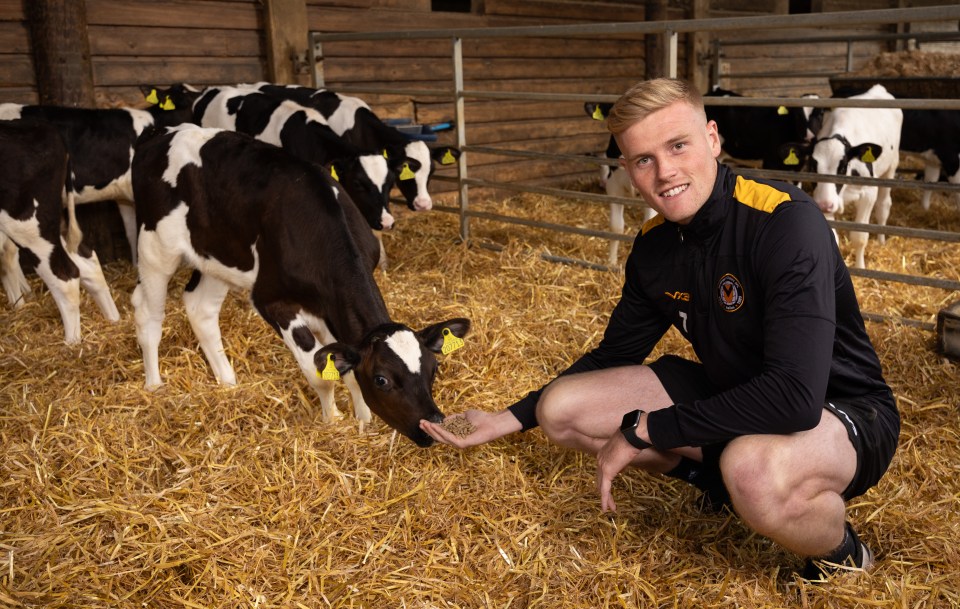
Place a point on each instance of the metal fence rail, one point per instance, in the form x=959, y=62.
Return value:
x=669, y=31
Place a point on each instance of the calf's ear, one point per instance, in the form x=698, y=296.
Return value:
x=868, y=153
x=445, y=336
x=793, y=154
x=445, y=155
x=338, y=356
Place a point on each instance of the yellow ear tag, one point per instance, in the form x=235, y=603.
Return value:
x=791, y=158
x=448, y=159
x=333, y=173
x=782, y=110
x=330, y=372
x=152, y=97
x=167, y=104
x=385, y=154
x=868, y=155
x=406, y=174
x=451, y=342
x=597, y=114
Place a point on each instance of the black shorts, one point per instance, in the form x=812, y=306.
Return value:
x=872, y=421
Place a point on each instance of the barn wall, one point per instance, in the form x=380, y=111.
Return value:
x=542, y=65
x=207, y=42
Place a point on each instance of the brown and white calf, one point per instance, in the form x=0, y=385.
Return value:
x=33, y=184
x=249, y=215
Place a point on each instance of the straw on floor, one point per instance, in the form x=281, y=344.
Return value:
x=203, y=496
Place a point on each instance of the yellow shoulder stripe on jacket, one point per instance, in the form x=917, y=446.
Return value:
x=757, y=195
x=651, y=223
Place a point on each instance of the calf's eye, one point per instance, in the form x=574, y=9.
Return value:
x=381, y=382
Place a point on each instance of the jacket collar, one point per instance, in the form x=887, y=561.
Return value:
x=710, y=217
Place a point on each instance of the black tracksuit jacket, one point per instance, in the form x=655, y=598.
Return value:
x=758, y=286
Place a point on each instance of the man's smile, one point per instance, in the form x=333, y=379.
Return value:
x=674, y=191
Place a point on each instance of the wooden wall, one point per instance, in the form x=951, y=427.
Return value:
x=206, y=42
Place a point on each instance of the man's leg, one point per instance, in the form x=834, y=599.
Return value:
x=581, y=411
x=789, y=487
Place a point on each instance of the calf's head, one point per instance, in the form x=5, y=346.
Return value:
x=395, y=368
x=835, y=156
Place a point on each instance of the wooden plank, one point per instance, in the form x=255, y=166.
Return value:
x=17, y=71
x=196, y=71
x=188, y=14
x=14, y=38
x=475, y=48
x=486, y=111
x=11, y=10
x=593, y=86
x=19, y=95
x=167, y=42
x=572, y=11
x=342, y=3
x=360, y=70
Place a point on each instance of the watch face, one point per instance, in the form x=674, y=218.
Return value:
x=631, y=419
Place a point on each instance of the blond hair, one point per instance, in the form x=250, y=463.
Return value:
x=648, y=96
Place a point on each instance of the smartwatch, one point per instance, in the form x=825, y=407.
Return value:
x=628, y=427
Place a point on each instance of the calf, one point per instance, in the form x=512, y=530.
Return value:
x=33, y=184
x=303, y=132
x=352, y=119
x=101, y=142
x=858, y=142
x=935, y=135
x=616, y=183
x=757, y=133
x=288, y=233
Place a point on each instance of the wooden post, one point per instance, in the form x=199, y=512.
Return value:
x=655, y=10
x=287, y=30
x=698, y=48
x=64, y=74
x=61, y=51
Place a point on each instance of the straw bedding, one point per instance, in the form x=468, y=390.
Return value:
x=203, y=496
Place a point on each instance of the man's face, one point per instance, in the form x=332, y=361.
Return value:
x=671, y=158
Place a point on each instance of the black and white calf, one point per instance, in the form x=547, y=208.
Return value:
x=303, y=132
x=285, y=231
x=101, y=143
x=33, y=179
x=858, y=142
x=352, y=119
x=935, y=135
x=758, y=133
x=615, y=182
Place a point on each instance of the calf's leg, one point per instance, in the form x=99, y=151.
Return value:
x=155, y=266
x=14, y=282
x=203, y=298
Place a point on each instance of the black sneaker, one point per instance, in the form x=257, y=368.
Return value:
x=820, y=570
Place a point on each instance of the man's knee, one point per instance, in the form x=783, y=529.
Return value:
x=758, y=488
x=556, y=408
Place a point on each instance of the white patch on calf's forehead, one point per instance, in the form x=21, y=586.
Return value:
x=185, y=150
x=407, y=348
x=375, y=166
x=418, y=150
